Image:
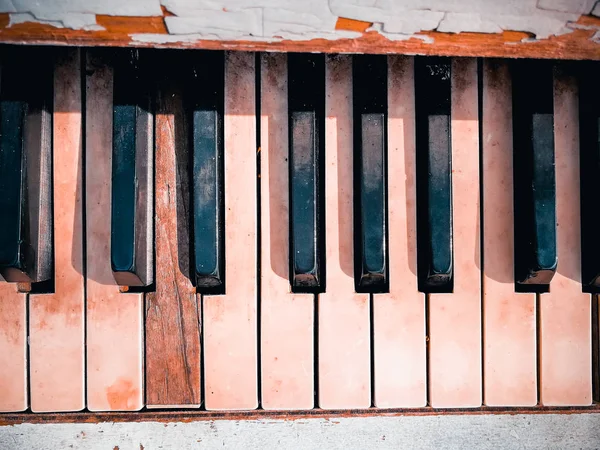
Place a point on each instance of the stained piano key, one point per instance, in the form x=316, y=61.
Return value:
x=56, y=320
x=455, y=318
x=132, y=177
x=434, y=179
x=509, y=329
x=306, y=99
x=230, y=320
x=535, y=188
x=370, y=198
x=343, y=315
x=287, y=318
x=589, y=144
x=565, y=318
x=207, y=175
x=398, y=317
x=25, y=179
x=114, y=319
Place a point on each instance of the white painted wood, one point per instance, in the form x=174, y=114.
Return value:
x=521, y=431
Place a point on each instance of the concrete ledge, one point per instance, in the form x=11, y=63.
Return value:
x=519, y=431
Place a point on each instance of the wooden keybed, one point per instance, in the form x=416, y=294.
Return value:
x=94, y=347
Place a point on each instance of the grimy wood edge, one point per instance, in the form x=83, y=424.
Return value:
x=118, y=30
x=7, y=419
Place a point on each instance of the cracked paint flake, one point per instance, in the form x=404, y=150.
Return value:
x=44, y=8
x=240, y=23
x=570, y=6
x=71, y=20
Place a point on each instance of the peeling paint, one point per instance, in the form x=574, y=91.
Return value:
x=276, y=20
x=43, y=9
x=74, y=21
x=571, y=6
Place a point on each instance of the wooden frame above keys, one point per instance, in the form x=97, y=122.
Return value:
x=120, y=31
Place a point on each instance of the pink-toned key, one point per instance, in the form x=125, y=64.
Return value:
x=509, y=331
x=13, y=349
x=114, y=320
x=56, y=321
x=344, y=329
x=287, y=319
x=565, y=312
x=455, y=319
x=230, y=320
x=399, y=316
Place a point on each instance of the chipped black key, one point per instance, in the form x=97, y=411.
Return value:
x=535, y=184
x=206, y=92
x=25, y=170
x=132, y=253
x=306, y=103
x=434, y=175
x=589, y=139
x=370, y=179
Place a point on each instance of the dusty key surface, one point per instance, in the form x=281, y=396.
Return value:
x=287, y=319
x=400, y=367
x=114, y=320
x=509, y=318
x=56, y=321
x=344, y=322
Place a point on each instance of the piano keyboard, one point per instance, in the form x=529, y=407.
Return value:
x=233, y=231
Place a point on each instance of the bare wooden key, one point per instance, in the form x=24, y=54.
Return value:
x=172, y=313
x=56, y=320
x=455, y=319
x=114, y=320
x=230, y=320
x=509, y=318
x=400, y=367
x=287, y=320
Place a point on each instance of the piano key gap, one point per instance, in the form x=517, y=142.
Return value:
x=257, y=106
x=481, y=218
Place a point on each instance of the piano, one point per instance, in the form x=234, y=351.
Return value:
x=237, y=231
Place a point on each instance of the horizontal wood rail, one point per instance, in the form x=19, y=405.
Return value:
x=118, y=31
x=199, y=415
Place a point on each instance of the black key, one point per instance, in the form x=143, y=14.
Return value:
x=25, y=170
x=434, y=175
x=370, y=179
x=535, y=184
x=306, y=97
x=207, y=94
x=589, y=138
x=132, y=256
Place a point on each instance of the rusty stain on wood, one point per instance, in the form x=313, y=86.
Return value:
x=575, y=45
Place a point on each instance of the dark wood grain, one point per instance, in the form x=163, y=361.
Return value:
x=172, y=320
